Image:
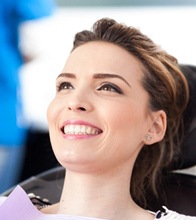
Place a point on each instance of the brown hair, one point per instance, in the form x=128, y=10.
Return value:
x=167, y=89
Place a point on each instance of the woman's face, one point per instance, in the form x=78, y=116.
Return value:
x=99, y=116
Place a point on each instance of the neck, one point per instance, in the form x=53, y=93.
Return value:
x=103, y=196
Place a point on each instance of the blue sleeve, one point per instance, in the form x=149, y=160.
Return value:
x=33, y=9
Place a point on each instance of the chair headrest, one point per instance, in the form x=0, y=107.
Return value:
x=189, y=143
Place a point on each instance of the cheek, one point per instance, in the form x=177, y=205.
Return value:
x=52, y=116
x=52, y=112
x=124, y=133
x=126, y=122
x=121, y=116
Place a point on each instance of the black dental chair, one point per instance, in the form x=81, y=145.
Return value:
x=179, y=188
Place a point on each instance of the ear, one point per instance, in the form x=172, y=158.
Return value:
x=157, y=128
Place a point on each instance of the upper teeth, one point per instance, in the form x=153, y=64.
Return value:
x=80, y=129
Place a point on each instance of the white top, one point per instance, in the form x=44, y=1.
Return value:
x=171, y=215
x=18, y=206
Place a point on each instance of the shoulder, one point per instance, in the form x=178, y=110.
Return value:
x=167, y=214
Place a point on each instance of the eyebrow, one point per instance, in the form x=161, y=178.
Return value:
x=108, y=75
x=96, y=76
x=69, y=75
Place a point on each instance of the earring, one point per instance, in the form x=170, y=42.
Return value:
x=148, y=137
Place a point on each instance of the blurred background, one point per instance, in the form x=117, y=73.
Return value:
x=169, y=23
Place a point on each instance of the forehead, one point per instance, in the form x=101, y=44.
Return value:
x=101, y=49
x=98, y=56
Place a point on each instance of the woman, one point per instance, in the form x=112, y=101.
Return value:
x=115, y=119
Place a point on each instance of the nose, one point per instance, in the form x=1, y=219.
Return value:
x=79, y=103
x=74, y=107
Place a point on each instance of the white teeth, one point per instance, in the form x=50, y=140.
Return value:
x=77, y=129
x=80, y=129
x=88, y=130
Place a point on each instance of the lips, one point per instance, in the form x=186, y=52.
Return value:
x=79, y=128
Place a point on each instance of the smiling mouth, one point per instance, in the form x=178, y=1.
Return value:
x=80, y=130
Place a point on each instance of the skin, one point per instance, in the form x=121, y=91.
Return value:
x=100, y=87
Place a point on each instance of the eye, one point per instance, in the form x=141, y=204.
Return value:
x=64, y=86
x=110, y=87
